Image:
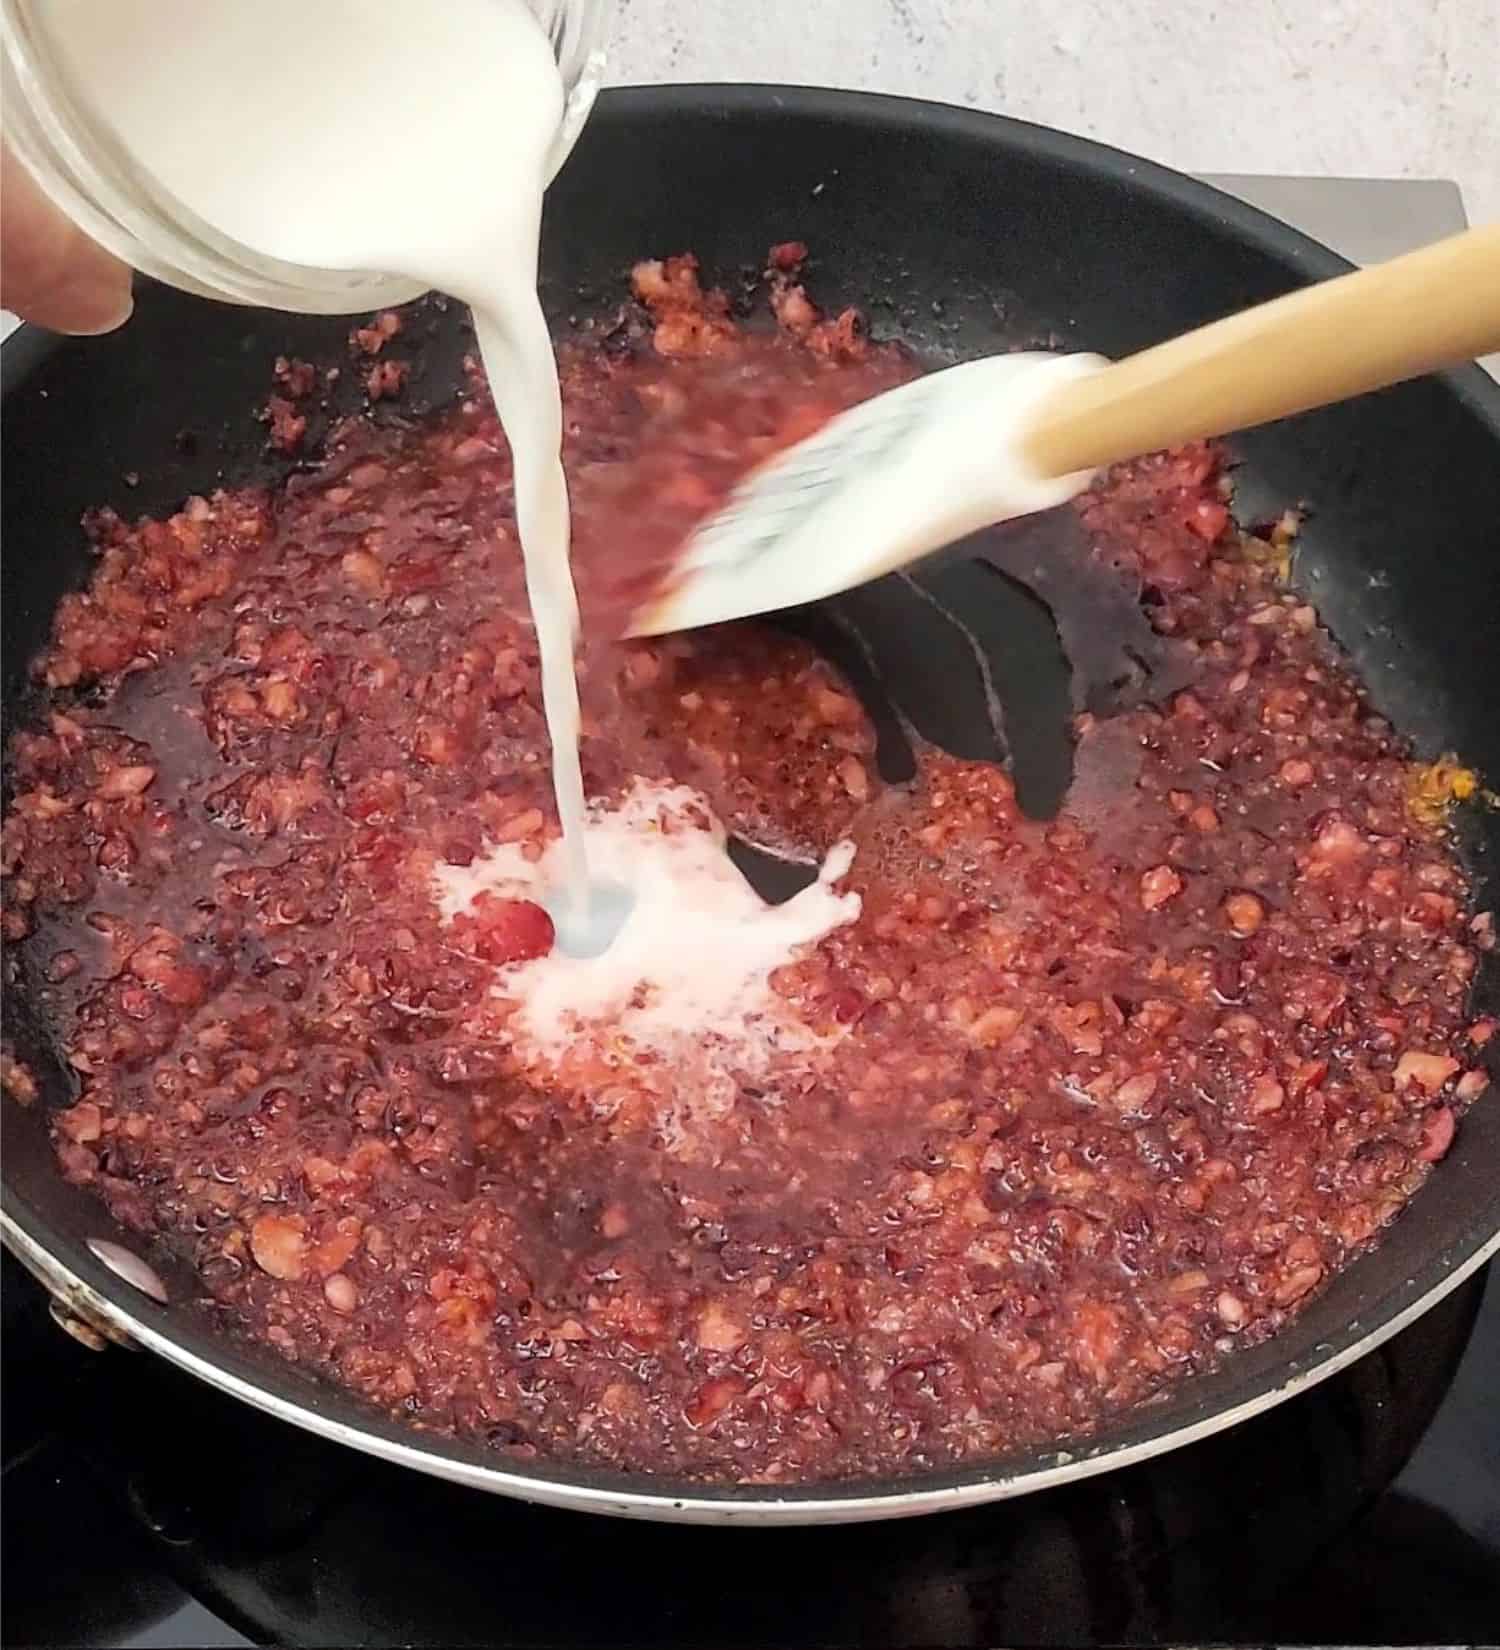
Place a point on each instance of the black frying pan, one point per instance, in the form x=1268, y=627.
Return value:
x=961, y=233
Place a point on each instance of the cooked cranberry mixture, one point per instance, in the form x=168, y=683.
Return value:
x=1095, y=1100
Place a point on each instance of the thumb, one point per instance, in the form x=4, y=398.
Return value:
x=51, y=273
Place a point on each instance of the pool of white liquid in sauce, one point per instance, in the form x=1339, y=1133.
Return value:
x=692, y=961
x=413, y=137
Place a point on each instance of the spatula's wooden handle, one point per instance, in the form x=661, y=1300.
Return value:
x=1429, y=309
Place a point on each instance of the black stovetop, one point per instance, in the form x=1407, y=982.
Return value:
x=141, y=1508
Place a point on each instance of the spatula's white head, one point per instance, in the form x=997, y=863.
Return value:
x=877, y=487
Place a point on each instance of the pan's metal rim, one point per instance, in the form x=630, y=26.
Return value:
x=102, y=1299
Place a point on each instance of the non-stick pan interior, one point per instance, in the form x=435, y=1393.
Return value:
x=960, y=234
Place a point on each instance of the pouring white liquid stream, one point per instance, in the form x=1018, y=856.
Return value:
x=414, y=139
x=410, y=138
x=417, y=139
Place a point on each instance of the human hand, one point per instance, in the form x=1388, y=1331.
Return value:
x=51, y=273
